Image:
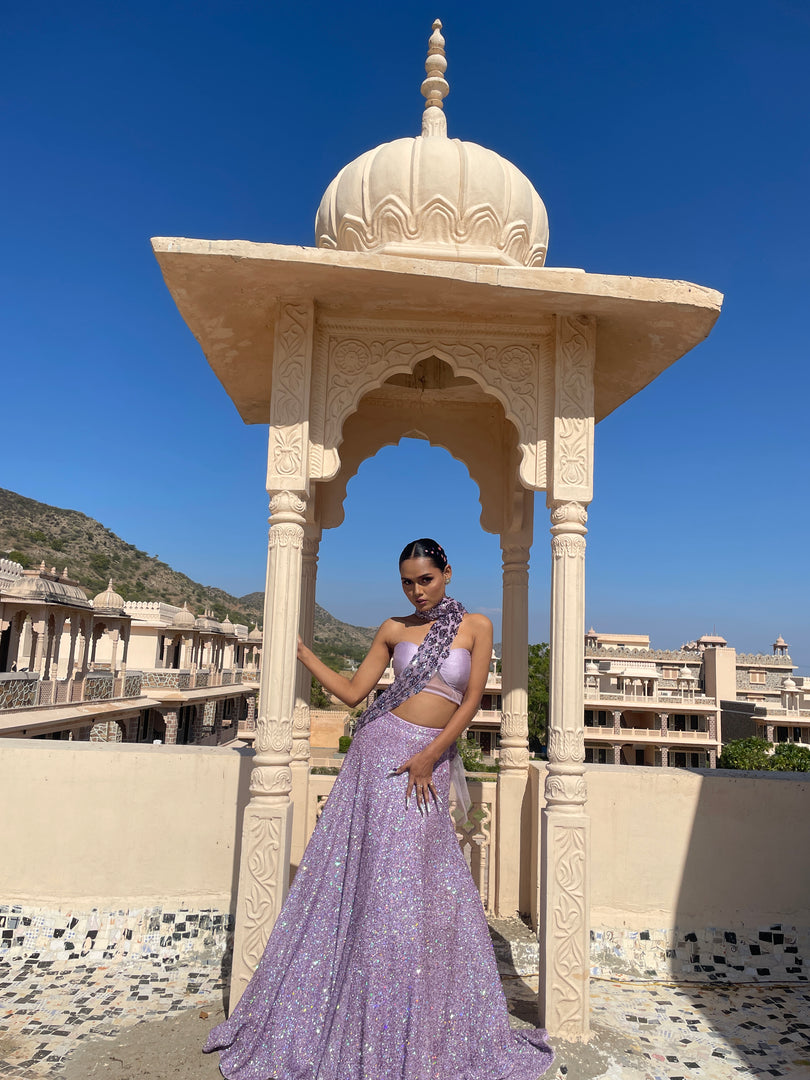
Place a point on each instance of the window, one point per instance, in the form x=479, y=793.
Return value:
x=669, y=673
x=596, y=755
x=756, y=676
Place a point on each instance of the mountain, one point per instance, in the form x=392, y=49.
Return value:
x=32, y=532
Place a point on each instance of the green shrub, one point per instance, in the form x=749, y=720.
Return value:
x=788, y=757
x=325, y=770
x=344, y=742
x=20, y=557
x=471, y=756
x=753, y=754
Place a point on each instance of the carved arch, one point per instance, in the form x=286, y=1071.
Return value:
x=352, y=359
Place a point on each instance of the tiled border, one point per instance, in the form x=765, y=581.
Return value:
x=773, y=953
x=64, y=938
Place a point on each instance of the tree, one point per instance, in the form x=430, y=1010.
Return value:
x=318, y=698
x=788, y=757
x=753, y=754
x=538, y=695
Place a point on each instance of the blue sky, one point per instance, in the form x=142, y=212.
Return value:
x=666, y=139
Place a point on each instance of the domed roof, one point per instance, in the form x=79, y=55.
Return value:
x=435, y=198
x=183, y=619
x=109, y=601
x=255, y=634
x=788, y=683
x=226, y=626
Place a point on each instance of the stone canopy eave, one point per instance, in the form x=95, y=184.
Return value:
x=227, y=292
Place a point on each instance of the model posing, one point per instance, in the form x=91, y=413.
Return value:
x=380, y=966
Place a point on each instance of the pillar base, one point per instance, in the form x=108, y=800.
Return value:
x=564, y=999
x=263, y=885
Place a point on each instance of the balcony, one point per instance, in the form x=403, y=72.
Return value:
x=26, y=690
x=629, y=734
x=648, y=701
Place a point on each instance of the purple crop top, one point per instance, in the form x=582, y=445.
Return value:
x=449, y=682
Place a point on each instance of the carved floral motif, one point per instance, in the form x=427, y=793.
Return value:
x=286, y=502
x=286, y=535
x=574, y=406
x=566, y=746
x=353, y=358
x=569, y=544
x=566, y=512
x=568, y=960
x=260, y=904
x=565, y=788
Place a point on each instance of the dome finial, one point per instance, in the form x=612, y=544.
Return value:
x=435, y=88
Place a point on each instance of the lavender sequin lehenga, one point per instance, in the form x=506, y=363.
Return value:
x=380, y=965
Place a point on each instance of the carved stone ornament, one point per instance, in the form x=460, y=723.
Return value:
x=273, y=737
x=300, y=750
x=301, y=722
x=261, y=892
x=565, y=746
x=569, y=544
x=287, y=502
x=282, y=536
x=573, y=447
x=289, y=403
x=566, y=788
x=515, y=725
x=271, y=780
x=568, y=960
x=353, y=358
x=568, y=512
x=514, y=757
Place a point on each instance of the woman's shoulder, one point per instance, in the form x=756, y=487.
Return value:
x=477, y=623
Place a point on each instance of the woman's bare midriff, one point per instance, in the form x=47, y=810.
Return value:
x=426, y=710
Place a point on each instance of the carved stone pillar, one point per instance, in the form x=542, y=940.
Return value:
x=564, y=872
x=514, y=758
x=267, y=824
x=664, y=757
x=303, y=685
x=617, y=754
x=712, y=753
x=617, y=721
x=663, y=719
x=267, y=827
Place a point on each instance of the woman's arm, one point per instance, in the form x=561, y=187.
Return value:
x=420, y=766
x=352, y=691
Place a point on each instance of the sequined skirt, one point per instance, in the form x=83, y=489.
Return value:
x=380, y=965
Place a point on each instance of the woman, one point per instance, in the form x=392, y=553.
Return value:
x=380, y=965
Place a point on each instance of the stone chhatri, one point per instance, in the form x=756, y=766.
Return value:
x=433, y=197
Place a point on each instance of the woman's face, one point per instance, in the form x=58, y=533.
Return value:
x=423, y=582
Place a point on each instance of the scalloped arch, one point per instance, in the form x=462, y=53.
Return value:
x=354, y=360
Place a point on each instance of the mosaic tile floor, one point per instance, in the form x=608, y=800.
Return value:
x=654, y=1032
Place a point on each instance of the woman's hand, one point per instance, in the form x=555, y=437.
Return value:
x=420, y=780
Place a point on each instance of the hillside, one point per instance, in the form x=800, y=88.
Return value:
x=31, y=532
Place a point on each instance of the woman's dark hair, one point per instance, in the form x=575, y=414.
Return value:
x=425, y=549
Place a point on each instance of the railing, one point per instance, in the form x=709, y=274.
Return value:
x=487, y=716
x=476, y=834
x=649, y=699
x=173, y=678
x=626, y=734
x=802, y=716
x=26, y=690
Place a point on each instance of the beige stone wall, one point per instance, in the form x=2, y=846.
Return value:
x=95, y=825
x=672, y=847
x=326, y=727
x=100, y=825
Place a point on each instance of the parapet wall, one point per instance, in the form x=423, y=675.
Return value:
x=698, y=874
